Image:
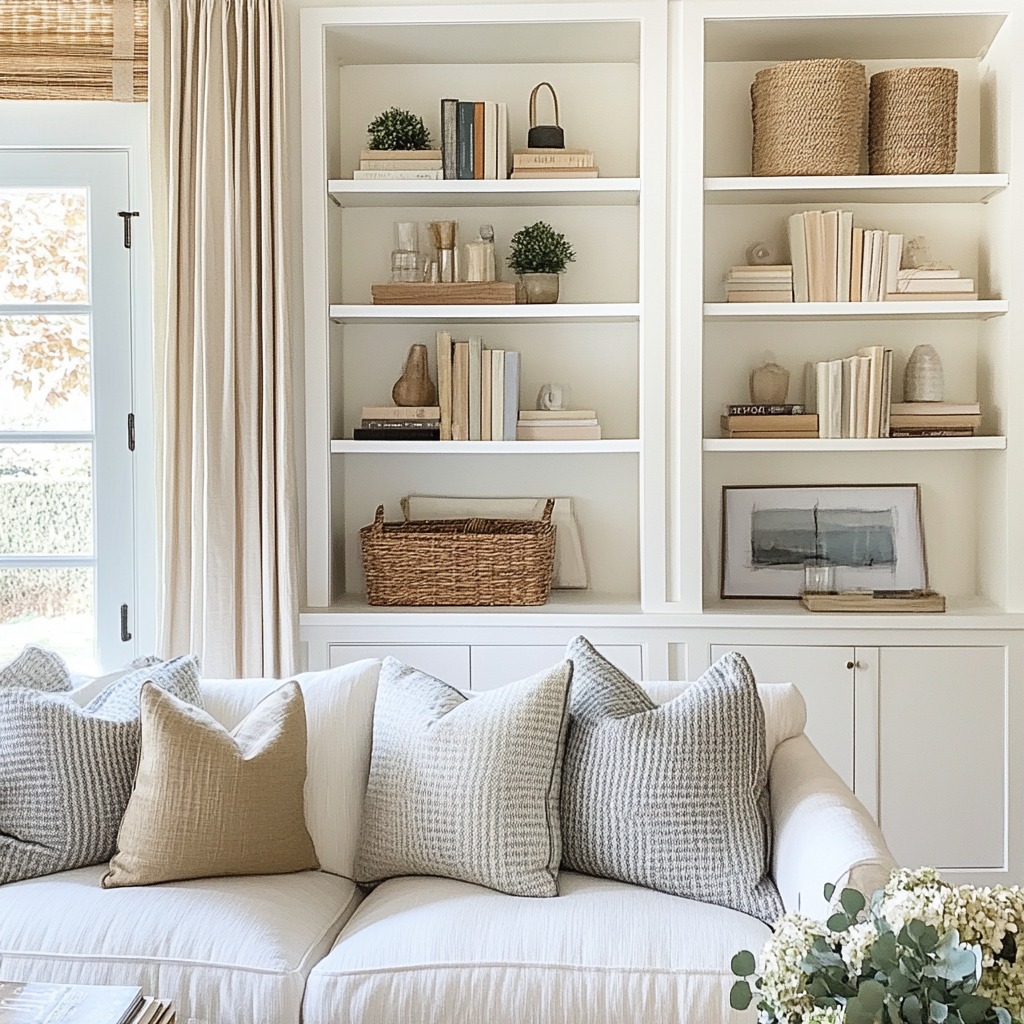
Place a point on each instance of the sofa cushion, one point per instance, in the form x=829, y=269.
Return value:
x=66, y=772
x=247, y=816
x=466, y=788
x=666, y=795
x=226, y=950
x=38, y=669
x=339, y=727
x=604, y=952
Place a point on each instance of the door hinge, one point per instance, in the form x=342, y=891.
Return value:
x=131, y=431
x=125, y=635
x=126, y=216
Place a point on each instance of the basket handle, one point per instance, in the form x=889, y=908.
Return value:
x=549, y=507
x=378, y=520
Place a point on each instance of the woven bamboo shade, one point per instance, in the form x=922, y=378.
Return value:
x=73, y=49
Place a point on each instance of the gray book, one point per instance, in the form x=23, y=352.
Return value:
x=511, y=412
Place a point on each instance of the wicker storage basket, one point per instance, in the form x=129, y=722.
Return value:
x=459, y=561
x=913, y=121
x=810, y=117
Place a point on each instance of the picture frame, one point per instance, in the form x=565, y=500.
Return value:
x=870, y=533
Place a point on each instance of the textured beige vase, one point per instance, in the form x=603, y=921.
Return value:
x=414, y=387
x=923, y=379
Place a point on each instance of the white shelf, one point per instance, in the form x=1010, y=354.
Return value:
x=864, y=188
x=545, y=313
x=528, y=192
x=489, y=448
x=851, y=444
x=981, y=309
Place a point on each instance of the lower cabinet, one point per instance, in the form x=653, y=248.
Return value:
x=486, y=666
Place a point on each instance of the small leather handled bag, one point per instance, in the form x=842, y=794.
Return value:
x=544, y=136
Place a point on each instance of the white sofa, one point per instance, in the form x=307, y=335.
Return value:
x=310, y=947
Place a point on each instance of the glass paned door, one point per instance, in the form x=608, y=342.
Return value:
x=66, y=473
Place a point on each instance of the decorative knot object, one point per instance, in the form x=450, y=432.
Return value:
x=544, y=136
x=913, y=121
x=922, y=379
x=810, y=117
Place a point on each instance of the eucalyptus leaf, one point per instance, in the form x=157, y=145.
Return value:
x=858, y=1013
x=938, y=1012
x=871, y=995
x=740, y=995
x=912, y=1012
x=853, y=902
x=884, y=954
x=743, y=963
x=955, y=965
x=829, y=890
x=838, y=922
x=1002, y=1015
x=972, y=1009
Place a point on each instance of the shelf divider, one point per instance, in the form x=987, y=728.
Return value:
x=981, y=309
x=547, y=313
x=854, y=444
x=488, y=448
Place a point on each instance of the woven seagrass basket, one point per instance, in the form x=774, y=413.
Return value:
x=459, y=561
x=913, y=121
x=810, y=117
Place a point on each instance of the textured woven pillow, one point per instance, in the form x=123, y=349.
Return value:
x=672, y=797
x=37, y=669
x=465, y=788
x=246, y=818
x=66, y=772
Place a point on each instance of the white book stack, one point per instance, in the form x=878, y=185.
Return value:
x=938, y=285
x=759, y=284
x=399, y=165
x=558, y=425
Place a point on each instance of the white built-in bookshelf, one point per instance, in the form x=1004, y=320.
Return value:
x=604, y=338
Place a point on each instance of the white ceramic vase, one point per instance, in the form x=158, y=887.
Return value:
x=922, y=380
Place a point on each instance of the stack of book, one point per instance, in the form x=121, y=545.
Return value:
x=934, y=419
x=920, y=285
x=759, y=284
x=748, y=421
x=399, y=423
x=553, y=163
x=399, y=165
x=852, y=396
x=558, y=425
x=474, y=139
x=477, y=390
x=29, y=1002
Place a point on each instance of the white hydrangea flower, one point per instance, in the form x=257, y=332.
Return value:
x=782, y=984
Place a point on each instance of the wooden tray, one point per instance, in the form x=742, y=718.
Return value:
x=876, y=601
x=460, y=293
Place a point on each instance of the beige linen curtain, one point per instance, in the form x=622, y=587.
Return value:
x=227, y=495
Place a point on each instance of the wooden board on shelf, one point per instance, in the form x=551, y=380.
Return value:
x=875, y=601
x=458, y=293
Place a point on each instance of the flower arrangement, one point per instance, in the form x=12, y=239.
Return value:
x=922, y=952
x=398, y=129
x=539, y=249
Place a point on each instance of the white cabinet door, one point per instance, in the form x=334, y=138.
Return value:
x=825, y=678
x=498, y=665
x=447, y=662
x=943, y=755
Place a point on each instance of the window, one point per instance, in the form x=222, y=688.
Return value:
x=70, y=485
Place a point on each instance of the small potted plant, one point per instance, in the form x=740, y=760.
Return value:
x=397, y=130
x=538, y=254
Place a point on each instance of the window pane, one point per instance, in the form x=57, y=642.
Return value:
x=51, y=607
x=43, y=245
x=46, y=499
x=45, y=373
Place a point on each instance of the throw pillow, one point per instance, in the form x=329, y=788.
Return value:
x=66, y=772
x=37, y=669
x=466, y=788
x=673, y=797
x=245, y=818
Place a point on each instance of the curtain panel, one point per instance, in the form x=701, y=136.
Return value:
x=73, y=49
x=227, y=504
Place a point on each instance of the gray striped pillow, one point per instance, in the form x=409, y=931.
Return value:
x=672, y=797
x=465, y=788
x=66, y=772
x=38, y=669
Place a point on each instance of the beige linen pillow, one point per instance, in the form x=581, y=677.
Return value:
x=210, y=802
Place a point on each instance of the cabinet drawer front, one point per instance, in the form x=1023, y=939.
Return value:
x=943, y=754
x=821, y=676
x=496, y=666
x=449, y=663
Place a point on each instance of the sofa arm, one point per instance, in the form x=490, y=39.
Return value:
x=822, y=832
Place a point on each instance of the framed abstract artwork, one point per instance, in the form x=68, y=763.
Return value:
x=869, y=533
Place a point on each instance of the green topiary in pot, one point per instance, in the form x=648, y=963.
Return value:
x=398, y=129
x=538, y=254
